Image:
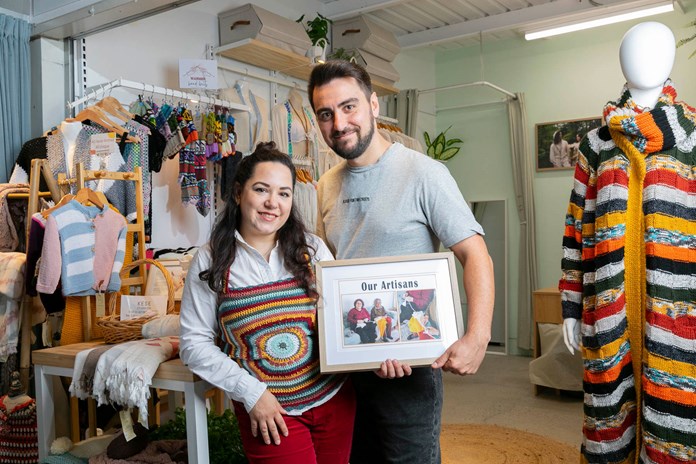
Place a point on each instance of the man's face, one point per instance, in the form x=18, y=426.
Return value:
x=346, y=117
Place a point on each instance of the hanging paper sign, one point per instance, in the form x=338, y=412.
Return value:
x=197, y=74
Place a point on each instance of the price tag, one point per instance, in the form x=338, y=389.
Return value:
x=101, y=308
x=102, y=144
x=127, y=425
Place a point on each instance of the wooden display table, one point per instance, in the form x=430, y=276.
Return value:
x=172, y=375
x=547, y=310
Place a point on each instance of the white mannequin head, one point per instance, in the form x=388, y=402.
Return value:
x=647, y=56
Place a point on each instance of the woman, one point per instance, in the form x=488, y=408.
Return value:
x=558, y=151
x=379, y=314
x=252, y=289
x=357, y=313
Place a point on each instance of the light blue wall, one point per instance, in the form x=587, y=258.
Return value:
x=566, y=77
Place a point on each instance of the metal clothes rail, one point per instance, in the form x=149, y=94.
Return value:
x=470, y=84
x=99, y=91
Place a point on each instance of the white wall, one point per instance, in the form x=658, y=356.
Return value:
x=149, y=51
x=566, y=77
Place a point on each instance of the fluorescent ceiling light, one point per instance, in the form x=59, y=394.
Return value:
x=664, y=7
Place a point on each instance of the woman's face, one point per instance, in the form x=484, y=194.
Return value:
x=265, y=201
x=358, y=304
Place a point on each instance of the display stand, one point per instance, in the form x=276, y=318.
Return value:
x=39, y=169
x=82, y=176
x=136, y=228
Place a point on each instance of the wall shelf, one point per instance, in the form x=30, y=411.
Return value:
x=264, y=55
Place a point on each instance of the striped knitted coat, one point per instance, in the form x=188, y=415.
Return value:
x=629, y=274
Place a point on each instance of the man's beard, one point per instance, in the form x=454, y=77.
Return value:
x=360, y=146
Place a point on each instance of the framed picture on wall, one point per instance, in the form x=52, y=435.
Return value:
x=557, y=142
x=402, y=307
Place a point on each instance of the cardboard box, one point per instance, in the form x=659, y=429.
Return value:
x=253, y=22
x=362, y=34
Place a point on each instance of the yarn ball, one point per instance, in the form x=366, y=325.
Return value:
x=61, y=445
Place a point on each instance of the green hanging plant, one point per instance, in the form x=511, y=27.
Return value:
x=440, y=148
x=317, y=28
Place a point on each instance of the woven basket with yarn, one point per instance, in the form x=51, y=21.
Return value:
x=117, y=331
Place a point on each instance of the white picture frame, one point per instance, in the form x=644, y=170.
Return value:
x=420, y=330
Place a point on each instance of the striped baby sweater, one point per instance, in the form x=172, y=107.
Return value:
x=85, y=246
x=629, y=275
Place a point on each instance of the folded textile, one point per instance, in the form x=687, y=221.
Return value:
x=164, y=326
x=124, y=372
x=83, y=372
x=12, y=274
x=9, y=236
x=11, y=290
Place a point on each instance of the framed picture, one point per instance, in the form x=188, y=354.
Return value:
x=157, y=285
x=557, y=142
x=373, y=309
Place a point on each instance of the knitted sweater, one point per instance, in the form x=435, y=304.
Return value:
x=628, y=274
x=84, y=246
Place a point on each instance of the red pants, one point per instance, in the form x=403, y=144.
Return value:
x=321, y=435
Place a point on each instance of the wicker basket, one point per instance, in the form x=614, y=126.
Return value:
x=118, y=331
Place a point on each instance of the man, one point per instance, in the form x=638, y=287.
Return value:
x=387, y=200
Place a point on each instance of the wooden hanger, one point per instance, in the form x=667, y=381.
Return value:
x=99, y=116
x=63, y=201
x=114, y=107
x=87, y=195
x=295, y=99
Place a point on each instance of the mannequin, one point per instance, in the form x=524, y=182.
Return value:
x=70, y=131
x=646, y=55
x=18, y=426
x=628, y=290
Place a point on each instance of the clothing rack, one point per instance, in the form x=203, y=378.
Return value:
x=470, y=84
x=97, y=92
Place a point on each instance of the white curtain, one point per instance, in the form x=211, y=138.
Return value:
x=523, y=176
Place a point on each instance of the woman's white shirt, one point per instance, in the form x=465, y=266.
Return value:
x=199, y=324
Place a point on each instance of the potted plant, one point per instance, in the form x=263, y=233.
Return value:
x=440, y=148
x=317, y=28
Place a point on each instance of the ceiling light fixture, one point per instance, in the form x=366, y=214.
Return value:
x=611, y=17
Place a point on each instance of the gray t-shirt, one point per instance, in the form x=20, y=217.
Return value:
x=404, y=204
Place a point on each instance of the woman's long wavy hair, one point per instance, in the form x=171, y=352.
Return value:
x=291, y=236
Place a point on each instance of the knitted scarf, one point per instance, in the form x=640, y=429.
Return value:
x=637, y=132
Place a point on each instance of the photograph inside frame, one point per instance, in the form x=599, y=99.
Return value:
x=377, y=315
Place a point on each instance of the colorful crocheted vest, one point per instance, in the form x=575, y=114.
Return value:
x=269, y=330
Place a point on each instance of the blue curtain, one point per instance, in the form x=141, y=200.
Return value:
x=15, y=91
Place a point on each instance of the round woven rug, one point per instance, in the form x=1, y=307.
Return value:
x=492, y=444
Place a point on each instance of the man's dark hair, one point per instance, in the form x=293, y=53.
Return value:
x=334, y=69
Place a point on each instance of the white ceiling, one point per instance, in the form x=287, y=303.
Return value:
x=455, y=23
x=416, y=23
